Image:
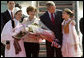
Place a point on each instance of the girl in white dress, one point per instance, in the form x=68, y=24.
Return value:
x=6, y=36
x=70, y=45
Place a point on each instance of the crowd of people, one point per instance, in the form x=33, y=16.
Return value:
x=59, y=22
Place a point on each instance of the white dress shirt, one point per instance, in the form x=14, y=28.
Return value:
x=11, y=11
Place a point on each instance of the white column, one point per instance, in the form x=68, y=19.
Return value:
x=79, y=12
x=33, y=3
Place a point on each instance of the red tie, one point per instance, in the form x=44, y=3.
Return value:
x=12, y=15
x=52, y=18
x=13, y=23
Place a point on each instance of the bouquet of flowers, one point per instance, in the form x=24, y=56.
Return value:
x=49, y=36
x=39, y=33
x=28, y=30
x=43, y=34
x=19, y=35
x=18, y=32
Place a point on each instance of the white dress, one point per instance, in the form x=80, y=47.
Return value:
x=68, y=49
x=7, y=35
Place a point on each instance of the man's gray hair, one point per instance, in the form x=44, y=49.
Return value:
x=50, y=3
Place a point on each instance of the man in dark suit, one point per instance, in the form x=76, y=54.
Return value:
x=81, y=28
x=6, y=16
x=53, y=19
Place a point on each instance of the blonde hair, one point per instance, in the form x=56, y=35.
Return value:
x=69, y=12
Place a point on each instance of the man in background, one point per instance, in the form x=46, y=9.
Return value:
x=7, y=15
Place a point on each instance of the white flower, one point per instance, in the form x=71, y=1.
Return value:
x=32, y=28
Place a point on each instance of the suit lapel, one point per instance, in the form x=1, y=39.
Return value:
x=46, y=20
x=8, y=15
x=55, y=17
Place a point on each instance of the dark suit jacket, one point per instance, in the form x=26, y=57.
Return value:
x=81, y=25
x=55, y=28
x=6, y=17
x=1, y=22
